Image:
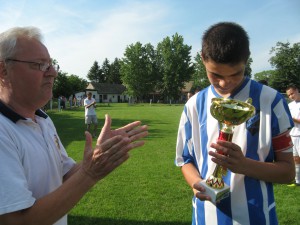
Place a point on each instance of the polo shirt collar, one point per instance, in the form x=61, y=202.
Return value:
x=14, y=117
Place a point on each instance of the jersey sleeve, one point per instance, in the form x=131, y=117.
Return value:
x=282, y=123
x=183, y=146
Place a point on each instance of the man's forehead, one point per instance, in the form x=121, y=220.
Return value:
x=25, y=45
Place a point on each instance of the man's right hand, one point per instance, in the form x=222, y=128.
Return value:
x=112, y=148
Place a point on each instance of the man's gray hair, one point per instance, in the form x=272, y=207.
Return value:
x=9, y=38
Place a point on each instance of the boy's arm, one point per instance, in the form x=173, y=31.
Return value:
x=191, y=175
x=89, y=105
x=281, y=170
x=193, y=179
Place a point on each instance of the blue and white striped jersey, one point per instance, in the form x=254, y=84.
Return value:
x=251, y=201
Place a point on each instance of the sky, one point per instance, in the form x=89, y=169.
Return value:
x=79, y=32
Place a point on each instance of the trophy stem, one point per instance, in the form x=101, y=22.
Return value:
x=226, y=132
x=216, y=180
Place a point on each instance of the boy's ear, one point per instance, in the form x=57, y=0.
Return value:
x=201, y=54
x=202, y=58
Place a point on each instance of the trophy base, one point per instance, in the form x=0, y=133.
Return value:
x=216, y=194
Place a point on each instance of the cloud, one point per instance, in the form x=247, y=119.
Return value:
x=109, y=34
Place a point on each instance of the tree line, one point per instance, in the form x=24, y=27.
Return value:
x=286, y=61
x=145, y=70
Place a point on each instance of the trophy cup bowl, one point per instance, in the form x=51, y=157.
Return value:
x=229, y=113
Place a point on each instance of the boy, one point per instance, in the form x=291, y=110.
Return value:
x=293, y=93
x=260, y=152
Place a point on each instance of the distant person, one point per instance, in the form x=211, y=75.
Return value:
x=39, y=182
x=63, y=102
x=79, y=101
x=90, y=113
x=74, y=100
x=70, y=101
x=260, y=152
x=189, y=95
x=59, y=106
x=197, y=89
x=293, y=93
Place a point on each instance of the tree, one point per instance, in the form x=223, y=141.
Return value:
x=95, y=73
x=76, y=83
x=176, y=66
x=248, y=69
x=199, y=77
x=60, y=86
x=264, y=75
x=114, y=75
x=286, y=60
x=137, y=69
x=67, y=85
x=105, y=70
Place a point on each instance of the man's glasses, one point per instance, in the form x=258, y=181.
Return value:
x=44, y=67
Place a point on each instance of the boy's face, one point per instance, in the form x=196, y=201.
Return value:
x=225, y=78
x=293, y=94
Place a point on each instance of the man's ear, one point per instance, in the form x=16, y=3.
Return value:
x=3, y=70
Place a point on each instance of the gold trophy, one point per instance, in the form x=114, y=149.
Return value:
x=229, y=113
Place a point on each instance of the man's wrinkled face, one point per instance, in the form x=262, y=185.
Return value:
x=27, y=84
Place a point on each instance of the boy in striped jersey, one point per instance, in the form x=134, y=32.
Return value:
x=261, y=149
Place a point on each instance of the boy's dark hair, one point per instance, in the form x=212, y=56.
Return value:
x=291, y=86
x=225, y=42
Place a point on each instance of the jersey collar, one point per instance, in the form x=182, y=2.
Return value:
x=14, y=117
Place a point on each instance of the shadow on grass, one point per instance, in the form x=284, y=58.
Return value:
x=82, y=220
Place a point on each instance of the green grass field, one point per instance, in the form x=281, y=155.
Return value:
x=148, y=189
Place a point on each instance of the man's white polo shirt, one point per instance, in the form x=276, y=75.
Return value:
x=33, y=160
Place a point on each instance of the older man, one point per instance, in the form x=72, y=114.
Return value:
x=39, y=182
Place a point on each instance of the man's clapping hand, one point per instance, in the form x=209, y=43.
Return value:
x=112, y=148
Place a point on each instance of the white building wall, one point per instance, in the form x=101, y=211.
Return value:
x=113, y=98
